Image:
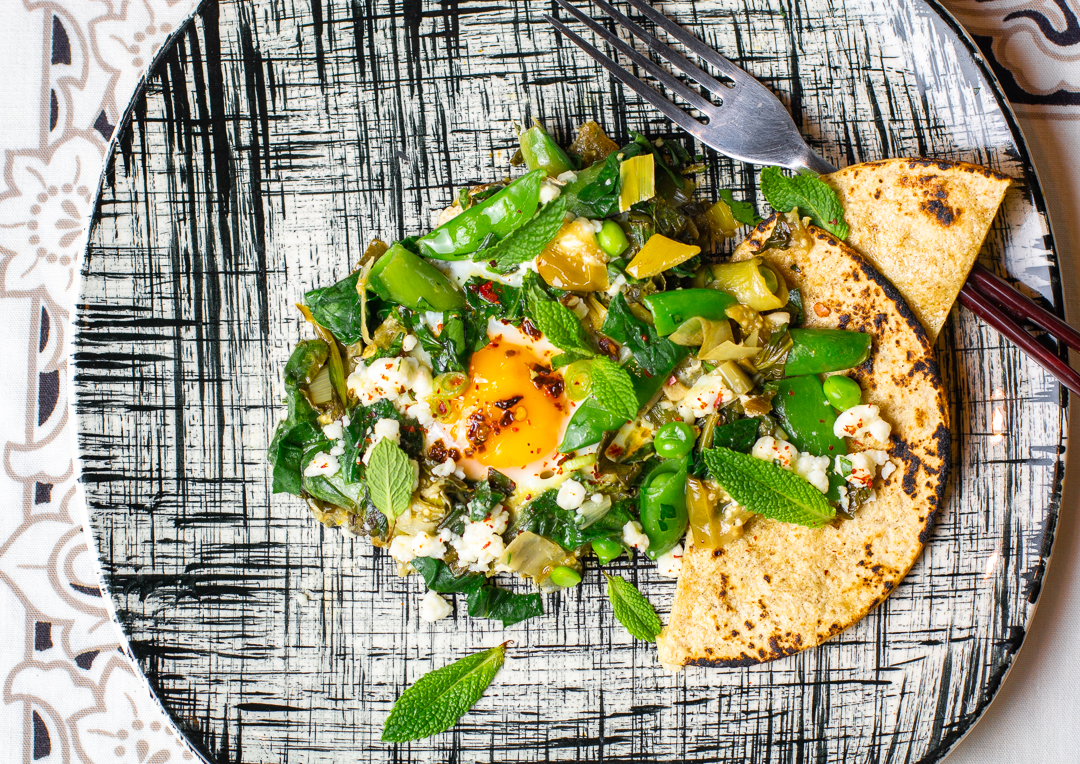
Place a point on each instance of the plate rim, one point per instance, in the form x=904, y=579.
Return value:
x=966, y=43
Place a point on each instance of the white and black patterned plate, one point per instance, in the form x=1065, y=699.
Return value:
x=272, y=140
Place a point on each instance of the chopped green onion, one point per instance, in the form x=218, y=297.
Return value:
x=578, y=379
x=450, y=385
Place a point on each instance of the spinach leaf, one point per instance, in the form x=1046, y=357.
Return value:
x=483, y=501
x=439, y=579
x=448, y=351
x=655, y=356
x=739, y=435
x=337, y=307
x=485, y=600
x=286, y=452
x=489, y=601
x=544, y=517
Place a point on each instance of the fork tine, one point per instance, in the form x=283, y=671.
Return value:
x=666, y=52
x=693, y=43
x=677, y=86
x=670, y=110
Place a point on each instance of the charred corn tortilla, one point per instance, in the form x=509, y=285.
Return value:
x=782, y=588
x=921, y=223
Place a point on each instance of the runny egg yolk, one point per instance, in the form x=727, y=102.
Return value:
x=514, y=406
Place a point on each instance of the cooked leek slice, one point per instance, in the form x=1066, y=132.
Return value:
x=321, y=388
x=659, y=254
x=721, y=218
x=735, y=378
x=534, y=556
x=702, y=332
x=637, y=181
x=752, y=283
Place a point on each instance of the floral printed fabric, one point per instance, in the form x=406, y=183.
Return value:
x=69, y=691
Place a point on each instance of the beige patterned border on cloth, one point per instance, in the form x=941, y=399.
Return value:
x=70, y=693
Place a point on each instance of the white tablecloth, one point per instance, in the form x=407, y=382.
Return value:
x=67, y=71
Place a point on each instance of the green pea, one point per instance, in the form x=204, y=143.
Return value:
x=842, y=392
x=565, y=577
x=612, y=239
x=606, y=550
x=674, y=439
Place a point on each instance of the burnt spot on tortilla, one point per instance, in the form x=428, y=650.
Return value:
x=869, y=547
x=742, y=661
x=943, y=213
x=768, y=578
x=879, y=321
x=845, y=319
x=877, y=194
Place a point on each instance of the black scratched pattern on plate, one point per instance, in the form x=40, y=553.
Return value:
x=273, y=140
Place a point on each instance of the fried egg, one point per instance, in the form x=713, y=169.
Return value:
x=512, y=415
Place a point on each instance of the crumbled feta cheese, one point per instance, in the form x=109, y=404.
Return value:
x=549, y=192
x=388, y=428
x=408, y=342
x=405, y=548
x=770, y=449
x=337, y=450
x=334, y=430
x=433, y=607
x=707, y=395
x=322, y=464
x=481, y=543
x=669, y=564
x=384, y=428
x=632, y=535
x=445, y=469
x=814, y=470
x=385, y=378
x=345, y=421
x=864, y=466
x=567, y=177
x=571, y=495
x=887, y=469
x=434, y=321
x=862, y=420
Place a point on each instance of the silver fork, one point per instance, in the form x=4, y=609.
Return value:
x=749, y=124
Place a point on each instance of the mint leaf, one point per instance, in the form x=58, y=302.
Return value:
x=441, y=697
x=558, y=323
x=767, y=489
x=743, y=212
x=632, y=609
x=389, y=478
x=810, y=194
x=527, y=242
x=613, y=388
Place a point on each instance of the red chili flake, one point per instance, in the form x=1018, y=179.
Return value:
x=672, y=379
x=530, y=329
x=486, y=291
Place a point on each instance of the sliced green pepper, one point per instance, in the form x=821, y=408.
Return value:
x=816, y=351
x=497, y=215
x=807, y=416
x=662, y=504
x=542, y=153
x=671, y=309
x=402, y=277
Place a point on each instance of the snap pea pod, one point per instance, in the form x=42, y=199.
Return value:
x=540, y=152
x=662, y=504
x=817, y=351
x=671, y=309
x=402, y=277
x=497, y=215
x=807, y=416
